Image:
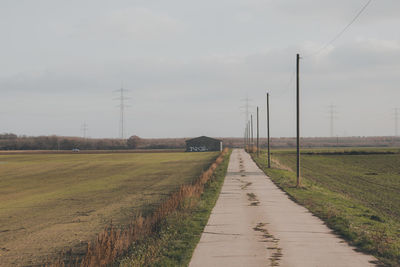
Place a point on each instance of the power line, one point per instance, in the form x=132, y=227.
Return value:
x=122, y=98
x=84, y=129
x=287, y=88
x=337, y=36
x=246, y=107
x=396, y=121
x=332, y=112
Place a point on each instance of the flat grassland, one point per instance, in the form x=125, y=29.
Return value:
x=356, y=191
x=371, y=178
x=51, y=202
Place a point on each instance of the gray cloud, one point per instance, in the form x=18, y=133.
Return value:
x=188, y=65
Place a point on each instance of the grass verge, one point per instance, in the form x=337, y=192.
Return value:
x=360, y=225
x=173, y=243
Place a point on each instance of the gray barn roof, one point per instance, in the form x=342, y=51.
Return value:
x=203, y=137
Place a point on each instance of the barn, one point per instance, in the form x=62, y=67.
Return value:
x=203, y=143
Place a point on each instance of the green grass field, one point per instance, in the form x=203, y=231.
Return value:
x=49, y=202
x=356, y=191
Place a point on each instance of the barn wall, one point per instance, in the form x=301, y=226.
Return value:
x=203, y=144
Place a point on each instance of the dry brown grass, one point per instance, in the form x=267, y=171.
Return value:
x=112, y=242
x=251, y=149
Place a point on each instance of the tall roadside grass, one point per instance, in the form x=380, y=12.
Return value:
x=174, y=242
x=251, y=149
x=113, y=242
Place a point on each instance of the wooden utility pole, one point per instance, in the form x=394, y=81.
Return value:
x=249, y=130
x=251, y=127
x=258, y=135
x=298, y=118
x=245, y=137
x=248, y=135
x=268, y=141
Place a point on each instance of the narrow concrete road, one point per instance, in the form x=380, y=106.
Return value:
x=254, y=223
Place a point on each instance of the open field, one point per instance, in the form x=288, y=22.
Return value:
x=373, y=179
x=49, y=202
x=179, y=232
x=19, y=152
x=356, y=191
x=9, y=142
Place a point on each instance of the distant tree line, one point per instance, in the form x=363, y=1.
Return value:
x=10, y=141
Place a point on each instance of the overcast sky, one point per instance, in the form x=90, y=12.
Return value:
x=188, y=65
